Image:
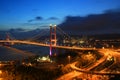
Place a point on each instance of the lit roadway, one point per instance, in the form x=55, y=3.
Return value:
x=108, y=52
x=116, y=56
x=97, y=63
x=42, y=44
x=70, y=75
x=79, y=71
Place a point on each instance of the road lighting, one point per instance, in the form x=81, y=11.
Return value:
x=112, y=46
x=0, y=73
x=69, y=58
x=103, y=47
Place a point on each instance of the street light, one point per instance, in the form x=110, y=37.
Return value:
x=103, y=47
x=69, y=58
x=0, y=74
x=0, y=71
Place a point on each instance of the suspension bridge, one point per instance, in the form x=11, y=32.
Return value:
x=51, y=44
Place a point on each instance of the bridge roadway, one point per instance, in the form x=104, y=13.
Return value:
x=46, y=45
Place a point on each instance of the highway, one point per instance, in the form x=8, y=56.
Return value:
x=70, y=75
x=107, y=53
x=116, y=56
x=78, y=71
x=98, y=62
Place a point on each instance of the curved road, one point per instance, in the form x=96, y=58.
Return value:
x=78, y=72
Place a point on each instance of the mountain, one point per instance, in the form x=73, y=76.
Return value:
x=21, y=33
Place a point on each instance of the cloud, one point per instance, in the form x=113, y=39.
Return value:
x=53, y=18
x=37, y=18
x=117, y=10
x=92, y=24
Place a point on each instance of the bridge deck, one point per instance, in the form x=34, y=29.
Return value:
x=46, y=45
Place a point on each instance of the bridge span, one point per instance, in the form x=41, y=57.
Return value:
x=46, y=45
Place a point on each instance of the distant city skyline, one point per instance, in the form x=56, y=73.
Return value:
x=32, y=14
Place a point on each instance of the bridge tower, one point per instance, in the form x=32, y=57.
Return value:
x=53, y=40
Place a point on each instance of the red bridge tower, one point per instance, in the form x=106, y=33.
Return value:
x=53, y=40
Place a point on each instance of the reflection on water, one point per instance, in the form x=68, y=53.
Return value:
x=22, y=51
x=7, y=54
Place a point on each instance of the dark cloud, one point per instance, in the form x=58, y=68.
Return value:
x=37, y=18
x=117, y=10
x=53, y=18
x=92, y=24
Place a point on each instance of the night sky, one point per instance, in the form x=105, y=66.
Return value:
x=32, y=14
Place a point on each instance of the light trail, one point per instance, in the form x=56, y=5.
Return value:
x=98, y=72
x=70, y=75
x=105, y=54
